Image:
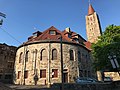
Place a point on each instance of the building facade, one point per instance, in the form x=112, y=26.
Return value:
x=7, y=59
x=38, y=61
x=93, y=27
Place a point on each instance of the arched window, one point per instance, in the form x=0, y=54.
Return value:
x=54, y=54
x=91, y=18
x=71, y=55
x=43, y=54
x=20, y=57
x=79, y=56
x=26, y=56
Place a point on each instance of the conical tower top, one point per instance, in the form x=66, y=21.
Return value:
x=90, y=9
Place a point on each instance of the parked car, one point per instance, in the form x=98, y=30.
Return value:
x=108, y=79
x=85, y=80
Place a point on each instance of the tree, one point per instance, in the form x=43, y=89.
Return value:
x=108, y=43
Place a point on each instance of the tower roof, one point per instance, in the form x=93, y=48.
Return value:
x=90, y=9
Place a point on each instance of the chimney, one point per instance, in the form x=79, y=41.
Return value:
x=67, y=29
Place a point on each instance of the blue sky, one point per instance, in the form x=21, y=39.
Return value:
x=23, y=15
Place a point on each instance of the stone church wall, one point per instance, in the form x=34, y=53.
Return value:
x=70, y=67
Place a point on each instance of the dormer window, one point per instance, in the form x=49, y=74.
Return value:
x=76, y=40
x=69, y=35
x=52, y=32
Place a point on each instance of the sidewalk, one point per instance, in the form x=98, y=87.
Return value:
x=4, y=87
x=28, y=87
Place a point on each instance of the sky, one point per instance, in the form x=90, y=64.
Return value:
x=23, y=16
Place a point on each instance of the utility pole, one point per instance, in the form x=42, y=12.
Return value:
x=35, y=69
x=62, y=77
x=49, y=78
x=24, y=63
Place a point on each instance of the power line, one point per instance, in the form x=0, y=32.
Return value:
x=11, y=35
x=2, y=15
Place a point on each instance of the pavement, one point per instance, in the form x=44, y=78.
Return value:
x=23, y=87
x=28, y=87
x=4, y=87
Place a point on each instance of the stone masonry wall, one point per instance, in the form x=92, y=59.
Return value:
x=48, y=64
x=7, y=59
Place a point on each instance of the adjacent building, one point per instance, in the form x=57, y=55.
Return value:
x=7, y=59
x=39, y=61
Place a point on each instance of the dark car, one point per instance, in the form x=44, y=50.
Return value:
x=85, y=80
x=108, y=79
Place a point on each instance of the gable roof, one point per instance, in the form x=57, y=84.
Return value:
x=88, y=45
x=46, y=36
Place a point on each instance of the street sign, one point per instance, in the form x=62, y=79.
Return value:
x=113, y=61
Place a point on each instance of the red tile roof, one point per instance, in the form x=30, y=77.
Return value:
x=90, y=10
x=45, y=35
x=88, y=45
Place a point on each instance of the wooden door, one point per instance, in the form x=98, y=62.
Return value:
x=65, y=77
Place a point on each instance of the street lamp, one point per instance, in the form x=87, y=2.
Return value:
x=2, y=15
x=114, y=62
x=62, y=76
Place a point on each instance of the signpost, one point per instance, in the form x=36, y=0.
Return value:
x=114, y=62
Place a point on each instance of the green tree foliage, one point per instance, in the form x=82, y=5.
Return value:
x=108, y=43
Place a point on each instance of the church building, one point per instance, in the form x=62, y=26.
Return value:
x=53, y=56
x=38, y=61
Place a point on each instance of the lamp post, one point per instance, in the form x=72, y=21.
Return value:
x=49, y=78
x=35, y=69
x=114, y=62
x=61, y=49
